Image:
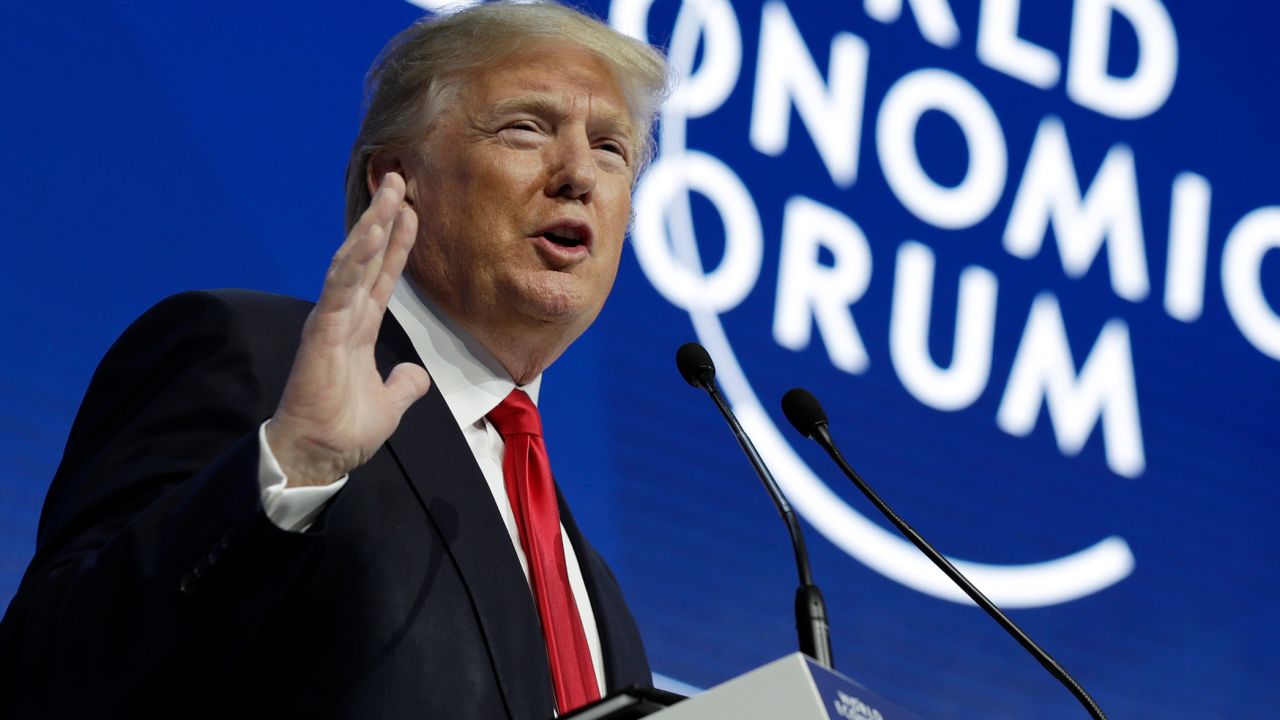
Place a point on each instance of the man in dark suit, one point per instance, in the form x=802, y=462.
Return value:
x=268, y=508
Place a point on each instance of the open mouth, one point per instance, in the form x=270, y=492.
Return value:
x=568, y=234
x=564, y=237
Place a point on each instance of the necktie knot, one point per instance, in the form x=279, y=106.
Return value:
x=516, y=415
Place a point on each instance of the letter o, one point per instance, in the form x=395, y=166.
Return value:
x=681, y=280
x=970, y=201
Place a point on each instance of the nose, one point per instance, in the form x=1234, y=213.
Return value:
x=572, y=168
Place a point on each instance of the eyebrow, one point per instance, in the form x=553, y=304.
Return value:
x=547, y=105
x=536, y=104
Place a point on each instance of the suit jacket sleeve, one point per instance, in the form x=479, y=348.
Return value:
x=160, y=588
x=152, y=531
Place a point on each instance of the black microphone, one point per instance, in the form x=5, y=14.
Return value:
x=808, y=417
x=811, y=611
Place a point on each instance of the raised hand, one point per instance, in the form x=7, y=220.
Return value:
x=337, y=410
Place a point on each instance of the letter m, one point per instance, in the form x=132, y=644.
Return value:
x=1044, y=373
x=1050, y=192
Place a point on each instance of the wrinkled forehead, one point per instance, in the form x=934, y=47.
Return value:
x=536, y=71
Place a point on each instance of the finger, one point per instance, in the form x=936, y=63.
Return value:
x=365, y=240
x=405, y=385
x=343, y=281
x=386, y=212
x=384, y=203
x=395, y=182
x=356, y=263
x=403, y=235
x=380, y=213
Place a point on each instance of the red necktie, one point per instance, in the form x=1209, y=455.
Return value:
x=533, y=497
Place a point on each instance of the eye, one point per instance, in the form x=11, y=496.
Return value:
x=525, y=129
x=524, y=133
x=613, y=147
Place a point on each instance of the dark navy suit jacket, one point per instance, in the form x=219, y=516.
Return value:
x=159, y=587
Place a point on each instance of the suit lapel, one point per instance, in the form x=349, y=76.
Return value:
x=620, y=646
x=439, y=466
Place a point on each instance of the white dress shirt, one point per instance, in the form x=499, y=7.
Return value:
x=472, y=382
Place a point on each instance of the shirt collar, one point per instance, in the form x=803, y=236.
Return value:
x=471, y=379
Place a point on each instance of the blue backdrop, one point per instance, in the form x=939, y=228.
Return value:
x=1023, y=254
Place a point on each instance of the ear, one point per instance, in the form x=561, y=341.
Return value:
x=382, y=162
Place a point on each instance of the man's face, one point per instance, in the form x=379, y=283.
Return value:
x=522, y=191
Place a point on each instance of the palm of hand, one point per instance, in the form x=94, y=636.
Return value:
x=337, y=410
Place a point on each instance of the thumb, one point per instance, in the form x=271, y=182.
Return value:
x=405, y=385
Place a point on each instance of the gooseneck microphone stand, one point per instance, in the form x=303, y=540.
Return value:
x=810, y=609
x=810, y=420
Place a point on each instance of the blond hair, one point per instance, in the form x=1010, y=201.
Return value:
x=415, y=74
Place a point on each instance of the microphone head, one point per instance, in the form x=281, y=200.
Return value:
x=695, y=365
x=804, y=411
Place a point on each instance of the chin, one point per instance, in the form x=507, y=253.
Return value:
x=559, y=300
x=566, y=313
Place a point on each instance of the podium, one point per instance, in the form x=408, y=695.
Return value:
x=790, y=688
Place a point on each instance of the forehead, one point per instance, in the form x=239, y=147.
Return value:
x=551, y=75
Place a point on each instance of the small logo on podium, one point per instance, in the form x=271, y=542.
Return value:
x=852, y=708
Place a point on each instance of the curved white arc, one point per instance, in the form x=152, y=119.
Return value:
x=1051, y=582
x=443, y=6
x=1012, y=586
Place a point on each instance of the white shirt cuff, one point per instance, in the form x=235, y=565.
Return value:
x=289, y=508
